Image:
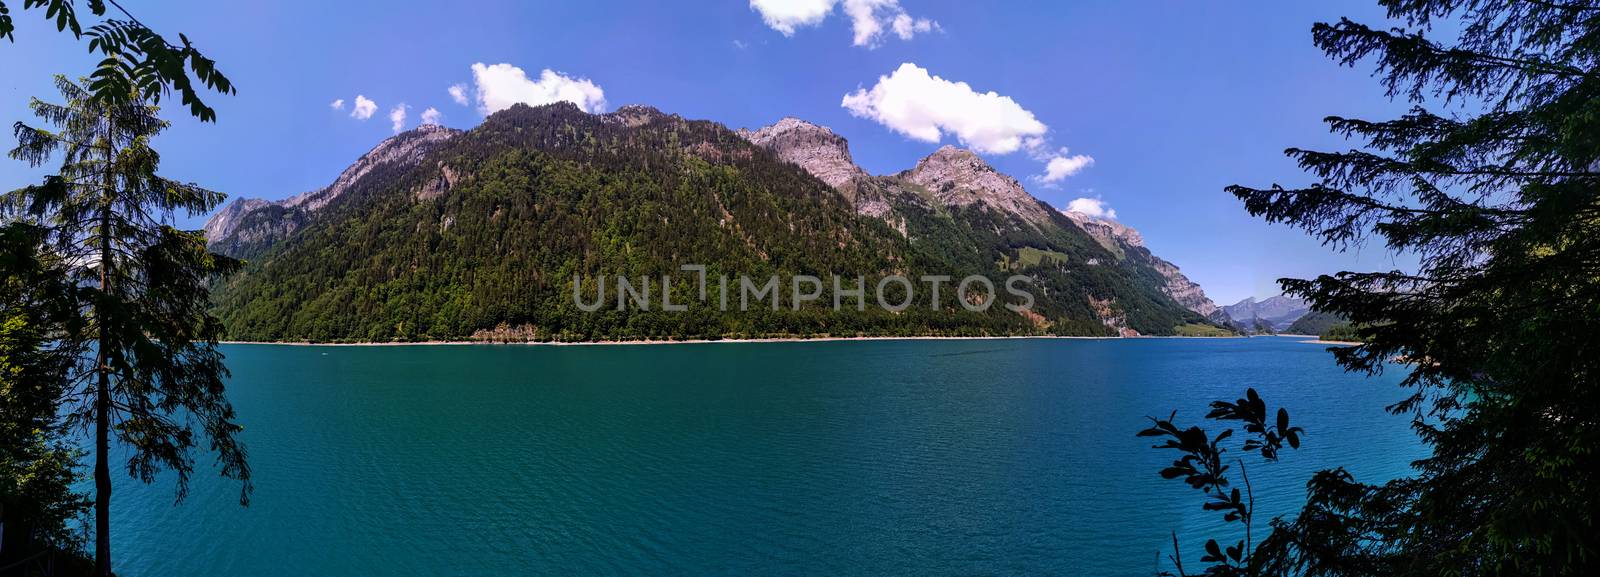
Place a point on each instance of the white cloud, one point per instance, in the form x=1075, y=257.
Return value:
x=363, y=108
x=868, y=18
x=501, y=85
x=397, y=117
x=337, y=104
x=1093, y=208
x=905, y=26
x=431, y=116
x=1060, y=166
x=924, y=107
x=786, y=15
x=458, y=93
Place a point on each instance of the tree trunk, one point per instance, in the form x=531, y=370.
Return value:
x=102, y=473
x=102, y=401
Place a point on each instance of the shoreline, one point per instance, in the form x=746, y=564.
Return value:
x=700, y=341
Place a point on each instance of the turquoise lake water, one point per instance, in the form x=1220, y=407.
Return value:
x=972, y=457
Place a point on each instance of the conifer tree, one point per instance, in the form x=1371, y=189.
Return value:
x=1492, y=180
x=152, y=371
x=38, y=462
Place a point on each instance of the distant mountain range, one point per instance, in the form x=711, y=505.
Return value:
x=445, y=234
x=1275, y=313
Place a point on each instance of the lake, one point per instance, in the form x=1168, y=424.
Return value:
x=930, y=457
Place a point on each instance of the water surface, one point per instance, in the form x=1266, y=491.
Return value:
x=1002, y=457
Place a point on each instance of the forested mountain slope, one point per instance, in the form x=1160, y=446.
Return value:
x=439, y=234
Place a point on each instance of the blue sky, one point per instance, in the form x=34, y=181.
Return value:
x=1172, y=100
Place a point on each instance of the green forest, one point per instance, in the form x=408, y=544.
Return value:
x=539, y=195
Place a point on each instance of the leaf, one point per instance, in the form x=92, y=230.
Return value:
x=6, y=25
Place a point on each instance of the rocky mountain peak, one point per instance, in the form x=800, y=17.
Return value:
x=227, y=220
x=637, y=109
x=633, y=114
x=1104, y=229
x=1277, y=312
x=1281, y=304
x=814, y=148
x=959, y=177
x=405, y=149
x=790, y=124
x=951, y=166
x=428, y=128
x=951, y=153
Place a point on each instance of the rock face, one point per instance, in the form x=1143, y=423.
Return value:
x=1123, y=239
x=402, y=150
x=632, y=115
x=1109, y=233
x=248, y=225
x=958, y=177
x=1187, y=292
x=826, y=155
x=226, y=221
x=1276, y=312
x=814, y=148
x=953, y=178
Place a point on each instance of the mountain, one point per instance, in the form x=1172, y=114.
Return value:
x=442, y=234
x=959, y=178
x=1126, y=242
x=247, y=226
x=816, y=149
x=1276, y=313
x=1315, y=323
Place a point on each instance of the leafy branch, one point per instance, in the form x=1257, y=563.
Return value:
x=137, y=58
x=1203, y=466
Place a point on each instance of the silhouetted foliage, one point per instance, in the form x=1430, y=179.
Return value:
x=1501, y=200
x=137, y=59
x=1203, y=466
